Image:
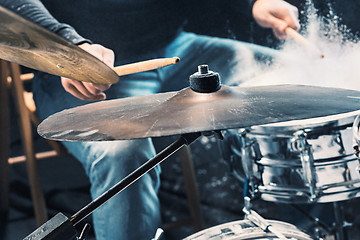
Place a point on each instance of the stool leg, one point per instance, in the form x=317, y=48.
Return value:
x=4, y=138
x=26, y=135
x=191, y=187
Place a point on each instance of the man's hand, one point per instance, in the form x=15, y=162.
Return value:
x=276, y=14
x=85, y=90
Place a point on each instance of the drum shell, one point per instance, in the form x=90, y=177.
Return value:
x=245, y=229
x=278, y=173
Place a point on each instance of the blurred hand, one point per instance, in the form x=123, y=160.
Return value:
x=276, y=14
x=86, y=90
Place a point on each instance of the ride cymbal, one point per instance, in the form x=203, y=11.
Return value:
x=188, y=111
x=30, y=45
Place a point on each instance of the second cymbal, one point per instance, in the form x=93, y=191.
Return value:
x=30, y=45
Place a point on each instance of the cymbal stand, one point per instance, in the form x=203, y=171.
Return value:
x=338, y=228
x=321, y=229
x=62, y=228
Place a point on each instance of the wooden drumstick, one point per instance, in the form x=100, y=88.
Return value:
x=303, y=41
x=145, y=65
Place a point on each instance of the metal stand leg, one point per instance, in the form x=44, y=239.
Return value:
x=60, y=223
x=321, y=229
x=338, y=228
x=340, y=231
x=185, y=139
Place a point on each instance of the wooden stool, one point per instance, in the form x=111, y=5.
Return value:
x=192, y=193
x=12, y=79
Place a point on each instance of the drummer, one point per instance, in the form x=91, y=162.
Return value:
x=134, y=31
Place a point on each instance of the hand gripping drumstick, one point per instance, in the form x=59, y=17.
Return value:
x=145, y=65
x=303, y=41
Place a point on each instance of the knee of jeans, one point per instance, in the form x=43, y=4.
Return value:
x=112, y=161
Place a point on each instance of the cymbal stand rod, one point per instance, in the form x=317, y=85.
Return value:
x=313, y=219
x=185, y=139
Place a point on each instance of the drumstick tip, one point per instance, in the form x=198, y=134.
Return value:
x=302, y=40
x=176, y=60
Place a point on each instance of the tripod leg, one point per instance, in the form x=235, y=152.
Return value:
x=57, y=228
x=340, y=233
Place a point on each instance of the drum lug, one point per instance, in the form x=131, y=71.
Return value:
x=356, y=137
x=357, y=151
x=228, y=149
x=307, y=161
x=250, y=153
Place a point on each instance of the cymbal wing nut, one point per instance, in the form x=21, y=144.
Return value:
x=205, y=81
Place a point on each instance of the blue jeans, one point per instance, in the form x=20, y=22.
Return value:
x=135, y=212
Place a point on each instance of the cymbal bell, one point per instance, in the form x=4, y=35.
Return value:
x=30, y=45
x=187, y=111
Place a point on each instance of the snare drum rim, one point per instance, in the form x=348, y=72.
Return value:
x=308, y=125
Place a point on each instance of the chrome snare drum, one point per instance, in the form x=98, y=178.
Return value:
x=301, y=161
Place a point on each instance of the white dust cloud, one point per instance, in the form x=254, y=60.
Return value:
x=297, y=64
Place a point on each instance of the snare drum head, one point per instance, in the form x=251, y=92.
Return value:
x=245, y=229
